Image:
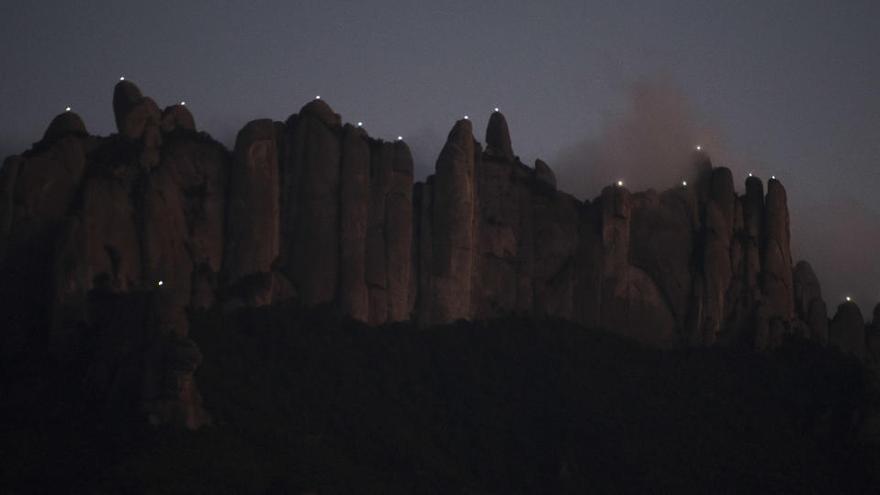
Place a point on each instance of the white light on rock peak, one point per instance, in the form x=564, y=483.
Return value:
x=496, y=109
x=773, y=177
x=360, y=124
x=466, y=117
x=318, y=97
x=160, y=283
x=620, y=183
x=67, y=109
x=122, y=78
x=848, y=299
x=183, y=103
x=750, y=174
x=400, y=138
x=684, y=183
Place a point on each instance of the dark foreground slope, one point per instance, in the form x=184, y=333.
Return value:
x=303, y=402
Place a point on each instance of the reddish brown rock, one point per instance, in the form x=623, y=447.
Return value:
x=310, y=203
x=716, y=270
x=776, y=273
x=126, y=95
x=177, y=117
x=376, y=272
x=722, y=194
x=806, y=288
x=498, y=138
x=63, y=124
x=631, y=302
x=556, y=233
x=98, y=249
x=499, y=189
x=398, y=232
x=164, y=236
x=142, y=121
x=199, y=170
x=253, y=209
x=615, y=209
x=753, y=228
x=662, y=240
x=453, y=227
x=354, y=191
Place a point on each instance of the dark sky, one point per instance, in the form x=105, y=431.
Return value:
x=599, y=90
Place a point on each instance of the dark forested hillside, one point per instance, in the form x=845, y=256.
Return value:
x=303, y=402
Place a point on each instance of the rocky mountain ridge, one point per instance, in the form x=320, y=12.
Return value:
x=107, y=242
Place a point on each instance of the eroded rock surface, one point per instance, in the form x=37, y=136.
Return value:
x=318, y=212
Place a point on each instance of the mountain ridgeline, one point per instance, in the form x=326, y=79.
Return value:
x=111, y=243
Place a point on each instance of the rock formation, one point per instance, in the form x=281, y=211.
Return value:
x=316, y=211
x=847, y=330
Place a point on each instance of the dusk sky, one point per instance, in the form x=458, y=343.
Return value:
x=599, y=90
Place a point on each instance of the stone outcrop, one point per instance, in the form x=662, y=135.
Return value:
x=317, y=212
x=776, y=274
x=847, y=330
x=808, y=303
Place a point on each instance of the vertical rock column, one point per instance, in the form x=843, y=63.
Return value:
x=808, y=303
x=310, y=203
x=354, y=191
x=389, y=232
x=452, y=218
x=718, y=233
x=776, y=273
x=399, y=232
x=753, y=228
x=847, y=330
x=252, y=213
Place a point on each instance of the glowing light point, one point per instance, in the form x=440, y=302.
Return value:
x=67, y=109
x=122, y=78
x=773, y=177
x=400, y=138
x=848, y=299
x=183, y=103
x=466, y=117
x=699, y=148
x=160, y=283
x=496, y=109
x=684, y=183
x=360, y=124
x=318, y=97
x=620, y=183
x=750, y=174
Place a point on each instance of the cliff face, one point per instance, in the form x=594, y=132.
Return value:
x=318, y=212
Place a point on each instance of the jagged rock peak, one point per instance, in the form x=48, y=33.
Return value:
x=403, y=161
x=321, y=110
x=64, y=123
x=754, y=186
x=498, y=137
x=126, y=95
x=461, y=131
x=136, y=116
x=177, y=117
x=776, y=189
